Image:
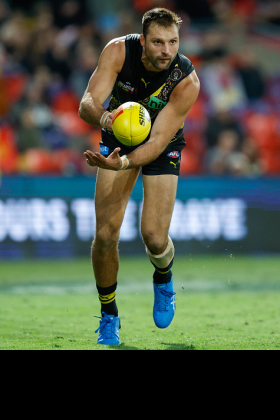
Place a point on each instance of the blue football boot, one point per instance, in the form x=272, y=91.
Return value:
x=164, y=306
x=109, y=330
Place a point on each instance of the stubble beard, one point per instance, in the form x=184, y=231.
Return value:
x=155, y=62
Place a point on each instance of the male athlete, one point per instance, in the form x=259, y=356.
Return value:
x=148, y=69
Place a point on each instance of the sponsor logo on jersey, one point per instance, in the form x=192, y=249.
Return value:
x=174, y=155
x=146, y=84
x=126, y=86
x=156, y=103
x=104, y=150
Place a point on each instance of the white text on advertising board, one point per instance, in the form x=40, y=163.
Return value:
x=38, y=219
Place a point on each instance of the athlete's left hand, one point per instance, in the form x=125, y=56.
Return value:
x=113, y=162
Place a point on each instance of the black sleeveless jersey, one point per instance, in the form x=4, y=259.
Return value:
x=151, y=89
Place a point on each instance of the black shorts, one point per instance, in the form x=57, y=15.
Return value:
x=167, y=163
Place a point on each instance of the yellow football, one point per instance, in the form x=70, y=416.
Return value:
x=131, y=124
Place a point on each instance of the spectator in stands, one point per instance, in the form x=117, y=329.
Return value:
x=250, y=150
x=41, y=40
x=199, y=11
x=14, y=36
x=141, y=6
x=53, y=47
x=268, y=11
x=226, y=158
x=251, y=76
x=219, y=122
x=58, y=59
x=69, y=12
x=35, y=101
x=221, y=82
x=86, y=60
x=4, y=12
x=217, y=158
x=28, y=135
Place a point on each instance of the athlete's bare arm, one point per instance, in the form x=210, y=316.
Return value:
x=167, y=124
x=102, y=82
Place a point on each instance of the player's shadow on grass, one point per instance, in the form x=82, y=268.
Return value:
x=169, y=346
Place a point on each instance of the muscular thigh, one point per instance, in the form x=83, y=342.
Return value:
x=159, y=198
x=112, y=193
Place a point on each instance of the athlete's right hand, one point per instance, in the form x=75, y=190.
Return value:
x=113, y=162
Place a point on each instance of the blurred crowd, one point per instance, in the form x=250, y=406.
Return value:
x=48, y=51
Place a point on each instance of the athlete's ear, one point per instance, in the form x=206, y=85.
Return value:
x=142, y=40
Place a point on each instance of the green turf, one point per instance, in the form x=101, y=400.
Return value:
x=222, y=303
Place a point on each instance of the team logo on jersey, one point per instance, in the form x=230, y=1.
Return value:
x=174, y=155
x=159, y=99
x=176, y=75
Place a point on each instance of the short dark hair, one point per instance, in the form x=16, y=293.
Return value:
x=161, y=17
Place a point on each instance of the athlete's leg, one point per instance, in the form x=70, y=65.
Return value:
x=113, y=190
x=159, y=199
x=112, y=193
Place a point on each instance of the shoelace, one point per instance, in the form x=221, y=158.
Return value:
x=162, y=299
x=106, y=323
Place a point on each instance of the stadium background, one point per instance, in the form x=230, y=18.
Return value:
x=228, y=197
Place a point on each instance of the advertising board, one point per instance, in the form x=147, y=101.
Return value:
x=55, y=217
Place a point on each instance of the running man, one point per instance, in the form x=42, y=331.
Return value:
x=148, y=69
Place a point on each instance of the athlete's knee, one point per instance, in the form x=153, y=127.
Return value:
x=106, y=237
x=155, y=242
x=163, y=259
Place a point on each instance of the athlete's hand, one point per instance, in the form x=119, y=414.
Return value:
x=109, y=121
x=113, y=162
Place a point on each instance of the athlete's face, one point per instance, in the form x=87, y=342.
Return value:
x=160, y=47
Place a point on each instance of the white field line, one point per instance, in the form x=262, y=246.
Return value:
x=88, y=288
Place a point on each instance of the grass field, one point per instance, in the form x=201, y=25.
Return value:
x=223, y=302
